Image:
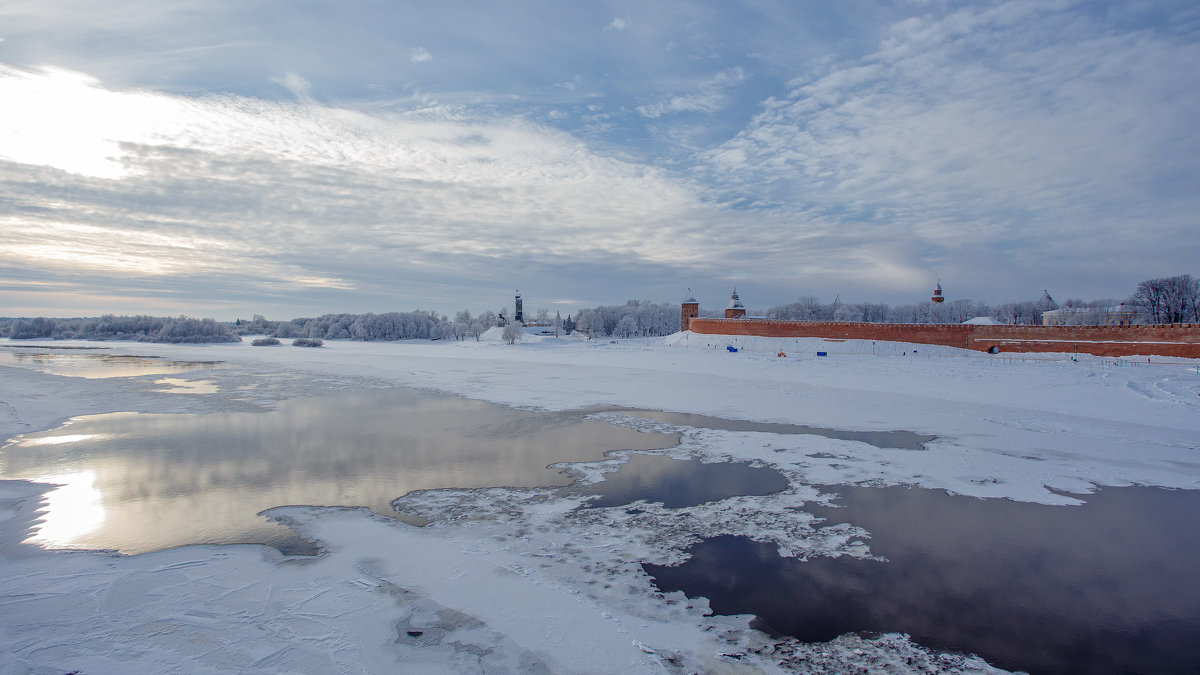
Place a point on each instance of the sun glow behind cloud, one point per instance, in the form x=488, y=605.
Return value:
x=68, y=121
x=304, y=193
x=91, y=247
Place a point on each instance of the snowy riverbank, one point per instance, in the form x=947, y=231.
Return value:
x=517, y=580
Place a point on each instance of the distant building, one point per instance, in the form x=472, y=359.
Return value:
x=735, y=310
x=1066, y=316
x=520, y=316
x=1121, y=315
x=1117, y=315
x=1046, y=303
x=937, y=292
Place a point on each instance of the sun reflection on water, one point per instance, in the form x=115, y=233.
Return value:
x=71, y=510
x=59, y=440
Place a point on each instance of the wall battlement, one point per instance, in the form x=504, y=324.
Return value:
x=1139, y=340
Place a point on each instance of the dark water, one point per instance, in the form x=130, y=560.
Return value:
x=904, y=440
x=1112, y=586
x=140, y=482
x=678, y=483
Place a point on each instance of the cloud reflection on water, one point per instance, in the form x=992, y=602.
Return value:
x=170, y=480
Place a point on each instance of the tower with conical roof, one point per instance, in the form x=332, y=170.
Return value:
x=688, y=310
x=937, y=292
x=735, y=310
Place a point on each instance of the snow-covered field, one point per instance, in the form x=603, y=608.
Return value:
x=515, y=580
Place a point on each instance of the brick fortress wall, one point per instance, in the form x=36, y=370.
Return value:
x=1173, y=340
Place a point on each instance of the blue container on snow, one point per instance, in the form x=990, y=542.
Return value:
x=822, y=353
x=731, y=348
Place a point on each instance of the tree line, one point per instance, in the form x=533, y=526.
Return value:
x=1155, y=301
x=416, y=325
x=633, y=319
x=139, y=328
x=1167, y=300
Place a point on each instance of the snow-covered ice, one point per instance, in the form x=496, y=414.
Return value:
x=519, y=580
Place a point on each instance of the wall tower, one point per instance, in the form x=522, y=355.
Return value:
x=689, y=310
x=735, y=310
x=937, y=293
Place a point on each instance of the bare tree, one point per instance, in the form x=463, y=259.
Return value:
x=1168, y=300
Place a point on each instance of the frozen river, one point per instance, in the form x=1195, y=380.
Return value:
x=1019, y=475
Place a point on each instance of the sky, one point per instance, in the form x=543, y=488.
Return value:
x=223, y=158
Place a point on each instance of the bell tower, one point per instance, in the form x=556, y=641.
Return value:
x=937, y=293
x=520, y=317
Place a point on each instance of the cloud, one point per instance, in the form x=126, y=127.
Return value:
x=708, y=97
x=300, y=87
x=1028, y=135
x=808, y=148
x=420, y=55
x=287, y=196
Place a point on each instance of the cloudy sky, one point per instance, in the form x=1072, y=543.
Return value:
x=225, y=158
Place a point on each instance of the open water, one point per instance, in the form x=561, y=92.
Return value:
x=141, y=482
x=1111, y=586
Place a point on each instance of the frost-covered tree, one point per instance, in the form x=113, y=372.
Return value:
x=848, y=313
x=290, y=329
x=1025, y=313
x=807, y=308
x=873, y=312
x=627, y=327
x=41, y=327
x=649, y=319
x=958, y=311
x=109, y=327
x=463, y=323
x=512, y=334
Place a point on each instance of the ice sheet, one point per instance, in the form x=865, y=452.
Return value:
x=518, y=580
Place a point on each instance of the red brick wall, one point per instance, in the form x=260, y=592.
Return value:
x=1175, y=340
